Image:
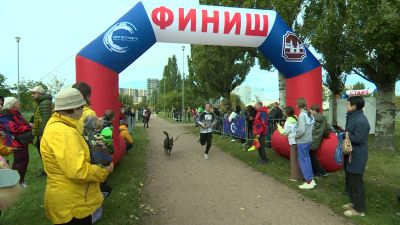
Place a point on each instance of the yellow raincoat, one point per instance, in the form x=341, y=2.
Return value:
x=73, y=188
x=86, y=111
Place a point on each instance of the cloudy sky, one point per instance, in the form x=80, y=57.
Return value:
x=52, y=32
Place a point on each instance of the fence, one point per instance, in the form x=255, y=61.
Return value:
x=130, y=120
x=242, y=129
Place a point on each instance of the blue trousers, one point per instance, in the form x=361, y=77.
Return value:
x=305, y=161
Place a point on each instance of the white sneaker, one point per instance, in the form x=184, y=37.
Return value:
x=24, y=185
x=233, y=140
x=198, y=139
x=206, y=156
x=308, y=186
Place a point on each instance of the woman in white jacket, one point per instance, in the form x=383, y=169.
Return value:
x=289, y=130
x=234, y=114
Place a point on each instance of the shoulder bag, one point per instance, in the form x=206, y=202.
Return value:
x=23, y=138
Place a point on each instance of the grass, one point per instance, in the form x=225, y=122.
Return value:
x=381, y=180
x=121, y=207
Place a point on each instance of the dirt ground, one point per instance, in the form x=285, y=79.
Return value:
x=184, y=188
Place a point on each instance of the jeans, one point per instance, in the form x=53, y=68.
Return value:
x=305, y=161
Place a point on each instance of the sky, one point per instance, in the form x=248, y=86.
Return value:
x=53, y=32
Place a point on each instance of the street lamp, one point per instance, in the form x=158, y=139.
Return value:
x=183, y=84
x=18, y=39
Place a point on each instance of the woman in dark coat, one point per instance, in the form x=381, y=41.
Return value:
x=357, y=130
x=252, y=113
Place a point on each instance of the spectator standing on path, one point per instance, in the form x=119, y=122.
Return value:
x=146, y=117
x=156, y=114
x=86, y=92
x=73, y=184
x=13, y=123
x=42, y=114
x=357, y=130
x=206, y=120
x=317, y=133
x=304, y=140
x=260, y=130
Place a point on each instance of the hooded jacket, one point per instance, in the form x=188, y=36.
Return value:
x=73, y=183
x=123, y=131
x=4, y=150
x=289, y=130
x=13, y=122
x=318, y=131
x=86, y=111
x=304, y=128
x=260, y=122
x=42, y=113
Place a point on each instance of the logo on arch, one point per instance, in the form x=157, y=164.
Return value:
x=120, y=37
x=293, y=50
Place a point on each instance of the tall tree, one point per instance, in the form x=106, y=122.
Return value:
x=323, y=27
x=4, y=88
x=373, y=31
x=125, y=99
x=359, y=86
x=222, y=69
x=172, y=76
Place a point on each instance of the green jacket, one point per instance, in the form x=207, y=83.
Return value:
x=318, y=131
x=42, y=113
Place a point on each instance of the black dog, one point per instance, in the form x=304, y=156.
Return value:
x=168, y=144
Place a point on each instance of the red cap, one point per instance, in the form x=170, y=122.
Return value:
x=121, y=105
x=125, y=124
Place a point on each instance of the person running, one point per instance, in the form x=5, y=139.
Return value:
x=206, y=121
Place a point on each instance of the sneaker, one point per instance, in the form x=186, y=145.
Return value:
x=24, y=184
x=262, y=162
x=324, y=175
x=317, y=176
x=352, y=212
x=308, y=186
x=41, y=174
x=206, y=156
x=348, y=206
x=233, y=139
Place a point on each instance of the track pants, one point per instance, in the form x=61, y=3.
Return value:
x=206, y=138
x=305, y=161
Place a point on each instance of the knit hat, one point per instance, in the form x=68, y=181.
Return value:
x=38, y=89
x=68, y=98
x=9, y=102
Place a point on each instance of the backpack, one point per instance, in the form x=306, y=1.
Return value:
x=327, y=130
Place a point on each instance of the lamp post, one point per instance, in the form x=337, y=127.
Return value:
x=183, y=84
x=18, y=39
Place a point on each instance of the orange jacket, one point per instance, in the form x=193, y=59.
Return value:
x=123, y=131
x=4, y=150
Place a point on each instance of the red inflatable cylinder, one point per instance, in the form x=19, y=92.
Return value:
x=105, y=95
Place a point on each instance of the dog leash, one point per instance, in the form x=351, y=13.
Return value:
x=180, y=135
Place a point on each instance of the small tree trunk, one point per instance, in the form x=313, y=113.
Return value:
x=385, y=119
x=334, y=105
x=228, y=99
x=282, y=91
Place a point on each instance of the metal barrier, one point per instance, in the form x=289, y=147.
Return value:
x=130, y=120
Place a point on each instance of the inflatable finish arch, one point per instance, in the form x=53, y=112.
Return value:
x=100, y=62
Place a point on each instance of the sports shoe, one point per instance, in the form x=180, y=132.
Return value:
x=306, y=186
x=348, y=206
x=233, y=139
x=352, y=212
x=262, y=162
x=324, y=175
x=25, y=184
x=206, y=156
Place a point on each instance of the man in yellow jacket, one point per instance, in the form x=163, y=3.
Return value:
x=73, y=183
x=123, y=131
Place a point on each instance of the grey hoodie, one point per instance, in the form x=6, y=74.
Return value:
x=305, y=128
x=208, y=119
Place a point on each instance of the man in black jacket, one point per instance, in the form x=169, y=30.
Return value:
x=276, y=115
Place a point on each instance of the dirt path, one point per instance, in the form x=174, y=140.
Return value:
x=193, y=190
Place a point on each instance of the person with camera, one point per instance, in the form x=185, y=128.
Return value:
x=42, y=114
x=18, y=134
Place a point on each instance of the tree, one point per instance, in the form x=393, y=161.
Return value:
x=26, y=100
x=219, y=68
x=142, y=104
x=325, y=95
x=55, y=85
x=4, y=88
x=172, y=76
x=323, y=27
x=234, y=100
x=373, y=33
x=359, y=86
x=125, y=99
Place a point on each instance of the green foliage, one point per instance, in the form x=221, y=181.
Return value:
x=125, y=99
x=4, y=88
x=359, y=86
x=325, y=96
x=55, y=85
x=219, y=69
x=174, y=100
x=173, y=80
x=234, y=100
x=26, y=100
x=142, y=104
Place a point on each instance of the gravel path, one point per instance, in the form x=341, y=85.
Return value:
x=184, y=188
